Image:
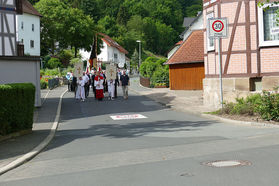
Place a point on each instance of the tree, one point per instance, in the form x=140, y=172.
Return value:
x=109, y=26
x=63, y=26
x=79, y=30
x=122, y=16
x=52, y=23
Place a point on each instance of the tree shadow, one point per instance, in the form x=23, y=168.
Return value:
x=134, y=129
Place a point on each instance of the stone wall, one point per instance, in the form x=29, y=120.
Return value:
x=232, y=88
x=145, y=81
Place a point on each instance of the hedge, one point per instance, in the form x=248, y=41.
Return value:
x=16, y=107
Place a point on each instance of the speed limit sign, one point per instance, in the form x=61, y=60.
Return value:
x=217, y=27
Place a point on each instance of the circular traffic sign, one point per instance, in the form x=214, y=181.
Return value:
x=218, y=26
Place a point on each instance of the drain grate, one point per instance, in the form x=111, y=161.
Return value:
x=227, y=163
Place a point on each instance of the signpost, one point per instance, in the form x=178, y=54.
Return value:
x=217, y=28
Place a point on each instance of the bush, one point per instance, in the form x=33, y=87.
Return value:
x=52, y=72
x=247, y=106
x=160, y=76
x=17, y=107
x=44, y=83
x=53, y=63
x=269, y=107
x=65, y=56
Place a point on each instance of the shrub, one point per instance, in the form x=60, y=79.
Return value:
x=53, y=63
x=43, y=83
x=17, y=107
x=269, y=107
x=74, y=61
x=52, y=72
x=248, y=106
x=160, y=76
x=65, y=56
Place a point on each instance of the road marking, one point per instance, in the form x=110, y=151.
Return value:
x=128, y=117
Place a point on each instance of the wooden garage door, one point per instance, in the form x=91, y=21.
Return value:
x=187, y=76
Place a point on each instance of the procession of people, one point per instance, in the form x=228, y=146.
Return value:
x=99, y=83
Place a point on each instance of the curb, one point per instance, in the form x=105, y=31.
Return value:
x=249, y=123
x=40, y=147
x=208, y=116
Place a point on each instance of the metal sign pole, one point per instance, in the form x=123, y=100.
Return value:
x=220, y=67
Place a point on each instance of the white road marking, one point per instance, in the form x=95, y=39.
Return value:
x=128, y=117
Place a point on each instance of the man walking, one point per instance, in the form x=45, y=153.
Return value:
x=124, y=82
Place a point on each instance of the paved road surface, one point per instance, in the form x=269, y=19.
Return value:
x=167, y=148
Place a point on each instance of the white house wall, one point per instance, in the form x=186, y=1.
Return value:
x=103, y=56
x=27, y=34
x=197, y=25
x=172, y=51
x=22, y=71
x=107, y=54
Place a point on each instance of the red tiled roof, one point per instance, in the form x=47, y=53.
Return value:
x=191, y=51
x=29, y=9
x=112, y=43
x=179, y=43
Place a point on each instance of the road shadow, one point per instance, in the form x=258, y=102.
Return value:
x=131, y=130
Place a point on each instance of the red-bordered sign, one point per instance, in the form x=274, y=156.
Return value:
x=218, y=26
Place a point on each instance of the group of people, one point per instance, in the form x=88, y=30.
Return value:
x=99, y=83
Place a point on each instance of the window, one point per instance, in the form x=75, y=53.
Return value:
x=210, y=42
x=33, y=27
x=31, y=43
x=268, y=26
x=22, y=41
x=22, y=25
x=115, y=56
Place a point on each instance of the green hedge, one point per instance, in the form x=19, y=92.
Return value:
x=17, y=107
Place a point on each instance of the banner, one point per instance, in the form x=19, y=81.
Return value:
x=78, y=72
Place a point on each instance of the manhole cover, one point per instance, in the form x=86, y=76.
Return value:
x=227, y=163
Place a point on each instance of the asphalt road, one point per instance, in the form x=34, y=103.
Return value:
x=167, y=148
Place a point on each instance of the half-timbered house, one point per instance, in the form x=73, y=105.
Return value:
x=249, y=56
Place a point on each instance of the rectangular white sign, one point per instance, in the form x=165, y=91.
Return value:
x=128, y=117
x=217, y=27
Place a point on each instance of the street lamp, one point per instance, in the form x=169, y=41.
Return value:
x=139, y=41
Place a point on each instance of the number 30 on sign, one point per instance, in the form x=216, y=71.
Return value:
x=217, y=27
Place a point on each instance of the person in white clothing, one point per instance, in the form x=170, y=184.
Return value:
x=80, y=94
x=111, y=87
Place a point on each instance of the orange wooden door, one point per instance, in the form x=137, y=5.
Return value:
x=187, y=76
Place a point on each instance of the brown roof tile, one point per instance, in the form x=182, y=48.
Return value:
x=29, y=9
x=113, y=43
x=190, y=51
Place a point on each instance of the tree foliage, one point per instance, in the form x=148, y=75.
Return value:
x=157, y=23
x=63, y=27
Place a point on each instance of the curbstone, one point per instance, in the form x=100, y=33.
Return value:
x=40, y=147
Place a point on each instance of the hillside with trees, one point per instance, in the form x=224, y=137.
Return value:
x=157, y=23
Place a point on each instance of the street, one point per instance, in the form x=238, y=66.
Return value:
x=166, y=148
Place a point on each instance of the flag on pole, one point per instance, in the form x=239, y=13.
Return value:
x=93, y=56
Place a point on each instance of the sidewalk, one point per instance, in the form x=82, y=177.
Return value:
x=181, y=100
x=44, y=117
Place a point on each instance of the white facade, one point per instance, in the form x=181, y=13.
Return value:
x=28, y=33
x=196, y=25
x=111, y=54
x=173, y=51
x=21, y=70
